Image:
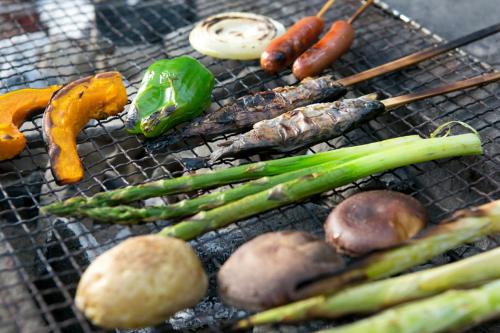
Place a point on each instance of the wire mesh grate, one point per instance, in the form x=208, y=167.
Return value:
x=55, y=41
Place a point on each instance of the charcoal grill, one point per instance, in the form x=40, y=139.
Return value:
x=53, y=41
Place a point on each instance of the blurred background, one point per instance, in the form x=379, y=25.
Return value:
x=454, y=18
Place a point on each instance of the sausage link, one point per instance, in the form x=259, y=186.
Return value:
x=283, y=50
x=322, y=54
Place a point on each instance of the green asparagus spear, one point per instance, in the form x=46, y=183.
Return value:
x=315, y=183
x=374, y=296
x=451, y=311
x=130, y=215
x=74, y=206
x=471, y=226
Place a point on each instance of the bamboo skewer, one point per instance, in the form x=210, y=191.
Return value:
x=313, y=124
x=359, y=11
x=417, y=57
x=395, y=102
x=325, y=7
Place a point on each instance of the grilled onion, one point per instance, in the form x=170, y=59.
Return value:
x=234, y=35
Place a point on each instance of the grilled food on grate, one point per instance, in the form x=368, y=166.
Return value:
x=141, y=282
x=283, y=50
x=248, y=110
x=374, y=220
x=331, y=47
x=314, y=123
x=234, y=35
x=336, y=300
x=172, y=91
x=269, y=269
x=15, y=107
x=70, y=108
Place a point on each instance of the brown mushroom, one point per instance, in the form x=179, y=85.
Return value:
x=374, y=220
x=141, y=282
x=267, y=271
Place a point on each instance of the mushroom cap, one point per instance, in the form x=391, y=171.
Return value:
x=268, y=270
x=374, y=220
x=141, y=282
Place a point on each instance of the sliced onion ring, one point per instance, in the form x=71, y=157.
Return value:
x=234, y=35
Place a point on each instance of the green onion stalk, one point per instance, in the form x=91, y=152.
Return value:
x=124, y=214
x=327, y=179
x=452, y=311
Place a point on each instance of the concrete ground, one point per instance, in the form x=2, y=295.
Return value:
x=454, y=18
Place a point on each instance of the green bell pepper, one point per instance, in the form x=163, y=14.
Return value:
x=172, y=91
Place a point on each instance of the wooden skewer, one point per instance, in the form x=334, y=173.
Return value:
x=418, y=56
x=359, y=11
x=394, y=102
x=325, y=7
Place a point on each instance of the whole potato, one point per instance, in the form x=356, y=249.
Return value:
x=141, y=282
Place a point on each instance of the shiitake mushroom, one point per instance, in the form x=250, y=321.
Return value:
x=268, y=270
x=374, y=220
x=141, y=282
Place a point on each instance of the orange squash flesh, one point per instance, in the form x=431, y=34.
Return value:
x=73, y=106
x=15, y=107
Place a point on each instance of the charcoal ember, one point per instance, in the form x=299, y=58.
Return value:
x=444, y=192
x=118, y=154
x=56, y=277
x=19, y=224
x=481, y=245
x=17, y=303
x=214, y=248
x=210, y=312
x=397, y=180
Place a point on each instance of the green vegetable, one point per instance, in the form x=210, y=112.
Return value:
x=442, y=238
x=129, y=215
x=325, y=180
x=452, y=311
x=370, y=297
x=78, y=205
x=172, y=91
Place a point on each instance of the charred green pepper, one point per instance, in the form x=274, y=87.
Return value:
x=172, y=91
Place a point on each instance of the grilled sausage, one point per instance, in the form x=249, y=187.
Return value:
x=322, y=54
x=282, y=51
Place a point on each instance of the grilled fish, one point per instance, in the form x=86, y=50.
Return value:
x=302, y=127
x=250, y=109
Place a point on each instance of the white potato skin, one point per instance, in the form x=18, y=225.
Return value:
x=141, y=282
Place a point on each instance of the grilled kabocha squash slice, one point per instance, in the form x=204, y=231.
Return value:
x=73, y=106
x=15, y=108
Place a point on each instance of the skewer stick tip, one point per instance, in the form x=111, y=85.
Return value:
x=395, y=102
x=325, y=7
x=359, y=11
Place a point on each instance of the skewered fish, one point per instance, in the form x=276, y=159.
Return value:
x=315, y=123
x=303, y=126
x=250, y=109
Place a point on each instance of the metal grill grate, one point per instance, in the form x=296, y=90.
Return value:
x=54, y=41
